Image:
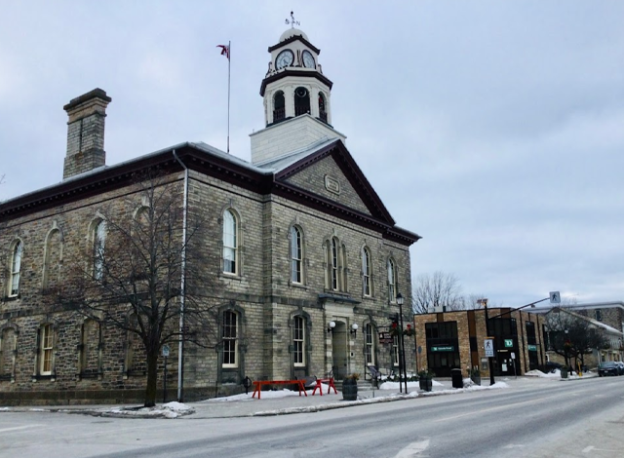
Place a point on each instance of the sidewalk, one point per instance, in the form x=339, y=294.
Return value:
x=279, y=402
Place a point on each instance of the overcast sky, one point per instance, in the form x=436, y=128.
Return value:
x=493, y=129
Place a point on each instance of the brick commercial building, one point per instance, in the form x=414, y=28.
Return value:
x=302, y=261
x=448, y=340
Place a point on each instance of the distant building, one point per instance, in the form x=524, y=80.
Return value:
x=448, y=340
x=607, y=317
x=305, y=260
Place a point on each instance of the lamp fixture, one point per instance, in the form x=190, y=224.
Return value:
x=399, y=299
x=353, y=330
x=330, y=326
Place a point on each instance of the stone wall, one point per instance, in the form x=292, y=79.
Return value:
x=261, y=293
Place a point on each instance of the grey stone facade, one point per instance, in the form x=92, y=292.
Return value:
x=282, y=328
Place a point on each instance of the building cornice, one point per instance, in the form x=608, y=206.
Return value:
x=290, y=72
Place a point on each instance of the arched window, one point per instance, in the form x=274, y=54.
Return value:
x=46, y=346
x=296, y=255
x=334, y=259
x=369, y=343
x=302, y=101
x=391, y=281
x=321, y=106
x=230, y=339
x=279, y=107
x=89, y=349
x=16, y=265
x=336, y=256
x=99, y=240
x=366, y=272
x=8, y=345
x=135, y=364
x=52, y=260
x=299, y=341
x=230, y=243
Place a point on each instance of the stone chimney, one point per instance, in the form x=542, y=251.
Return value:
x=85, y=133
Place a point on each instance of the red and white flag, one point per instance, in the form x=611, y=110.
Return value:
x=225, y=50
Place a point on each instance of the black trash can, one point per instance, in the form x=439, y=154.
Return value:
x=456, y=377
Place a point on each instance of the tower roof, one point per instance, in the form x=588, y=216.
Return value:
x=292, y=32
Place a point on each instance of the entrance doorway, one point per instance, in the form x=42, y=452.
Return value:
x=340, y=356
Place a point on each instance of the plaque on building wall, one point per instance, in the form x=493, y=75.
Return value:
x=332, y=185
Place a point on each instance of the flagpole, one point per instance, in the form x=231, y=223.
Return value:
x=228, y=115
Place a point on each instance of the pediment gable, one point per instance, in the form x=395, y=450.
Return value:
x=332, y=173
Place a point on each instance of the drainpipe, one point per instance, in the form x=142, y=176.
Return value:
x=182, y=282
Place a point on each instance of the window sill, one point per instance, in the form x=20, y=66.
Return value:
x=230, y=276
x=297, y=285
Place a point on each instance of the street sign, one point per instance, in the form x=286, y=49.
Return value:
x=532, y=347
x=555, y=297
x=385, y=338
x=508, y=343
x=489, y=347
x=443, y=348
x=165, y=351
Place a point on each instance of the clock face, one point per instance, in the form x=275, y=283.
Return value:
x=308, y=59
x=284, y=59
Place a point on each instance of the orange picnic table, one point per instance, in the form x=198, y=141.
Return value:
x=260, y=383
x=330, y=385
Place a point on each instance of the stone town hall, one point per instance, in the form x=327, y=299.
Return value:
x=305, y=262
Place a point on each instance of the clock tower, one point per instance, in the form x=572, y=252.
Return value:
x=297, y=100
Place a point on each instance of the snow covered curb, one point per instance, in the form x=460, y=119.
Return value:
x=334, y=405
x=169, y=410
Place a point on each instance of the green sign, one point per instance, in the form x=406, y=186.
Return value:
x=532, y=347
x=443, y=348
x=508, y=343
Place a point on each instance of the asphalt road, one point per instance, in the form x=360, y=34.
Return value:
x=583, y=418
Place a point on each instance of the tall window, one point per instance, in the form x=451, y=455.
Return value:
x=296, y=256
x=370, y=344
x=322, y=109
x=391, y=281
x=52, y=260
x=302, y=101
x=47, y=345
x=16, y=263
x=334, y=258
x=8, y=341
x=279, y=107
x=366, y=272
x=230, y=339
x=299, y=341
x=230, y=243
x=99, y=239
x=89, y=349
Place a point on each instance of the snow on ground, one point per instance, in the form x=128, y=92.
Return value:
x=265, y=395
x=556, y=374
x=168, y=410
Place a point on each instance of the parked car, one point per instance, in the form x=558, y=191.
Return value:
x=608, y=368
x=620, y=365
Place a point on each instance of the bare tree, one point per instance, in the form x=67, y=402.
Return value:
x=141, y=276
x=572, y=336
x=437, y=290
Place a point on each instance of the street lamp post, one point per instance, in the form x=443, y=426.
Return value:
x=402, y=368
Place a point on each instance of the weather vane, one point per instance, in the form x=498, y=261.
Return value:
x=292, y=21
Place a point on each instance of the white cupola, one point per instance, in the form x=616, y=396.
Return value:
x=297, y=99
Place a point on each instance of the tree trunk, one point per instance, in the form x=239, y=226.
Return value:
x=152, y=378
